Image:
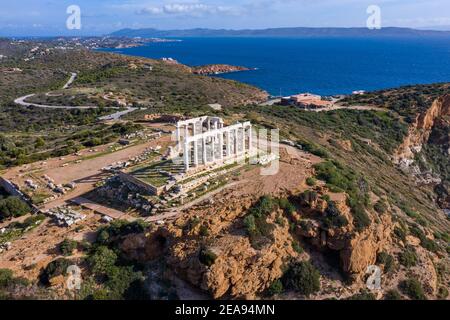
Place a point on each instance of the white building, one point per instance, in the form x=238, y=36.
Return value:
x=205, y=141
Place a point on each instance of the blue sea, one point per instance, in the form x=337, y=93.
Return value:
x=319, y=65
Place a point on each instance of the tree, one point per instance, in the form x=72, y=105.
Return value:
x=12, y=207
x=67, y=247
x=102, y=260
x=302, y=277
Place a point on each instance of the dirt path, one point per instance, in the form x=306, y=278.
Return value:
x=338, y=107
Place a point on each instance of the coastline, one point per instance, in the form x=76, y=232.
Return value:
x=289, y=66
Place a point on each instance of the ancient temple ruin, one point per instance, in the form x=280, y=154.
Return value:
x=206, y=141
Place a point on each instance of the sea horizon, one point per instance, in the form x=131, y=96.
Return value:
x=326, y=66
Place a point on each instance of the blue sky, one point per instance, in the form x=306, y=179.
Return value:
x=48, y=17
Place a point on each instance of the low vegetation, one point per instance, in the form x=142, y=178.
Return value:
x=258, y=229
x=67, y=247
x=11, y=207
x=342, y=179
x=387, y=261
x=302, y=277
x=408, y=258
x=413, y=289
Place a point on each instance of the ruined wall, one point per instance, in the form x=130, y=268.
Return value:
x=147, y=188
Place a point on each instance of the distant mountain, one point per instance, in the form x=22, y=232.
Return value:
x=281, y=32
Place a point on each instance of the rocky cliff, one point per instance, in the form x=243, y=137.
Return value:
x=425, y=152
x=420, y=130
x=356, y=249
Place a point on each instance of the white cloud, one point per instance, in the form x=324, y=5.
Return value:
x=150, y=10
x=195, y=9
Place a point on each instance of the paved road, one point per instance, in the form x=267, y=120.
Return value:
x=21, y=101
x=115, y=116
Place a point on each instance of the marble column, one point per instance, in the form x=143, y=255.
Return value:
x=186, y=131
x=250, y=138
x=178, y=133
x=186, y=155
x=235, y=131
x=213, y=141
x=204, y=155
x=221, y=146
x=243, y=139
x=228, y=143
x=195, y=153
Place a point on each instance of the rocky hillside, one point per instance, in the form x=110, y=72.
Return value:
x=424, y=151
x=217, y=69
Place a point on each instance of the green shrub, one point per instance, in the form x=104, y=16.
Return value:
x=387, y=261
x=204, y=231
x=275, y=288
x=363, y=295
x=380, y=207
x=442, y=293
x=67, y=247
x=392, y=295
x=6, y=277
x=258, y=229
x=400, y=233
x=413, y=289
x=309, y=196
x=118, y=229
x=102, y=260
x=264, y=207
x=287, y=206
x=302, y=277
x=12, y=207
x=250, y=224
x=53, y=269
x=408, y=257
x=343, y=179
x=310, y=181
x=426, y=243
x=207, y=257
x=119, y=280
x=314, y=149
x=333, y=217
x=296, y=246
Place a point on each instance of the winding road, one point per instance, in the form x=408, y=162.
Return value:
x=115, y=116
x=22, y=100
